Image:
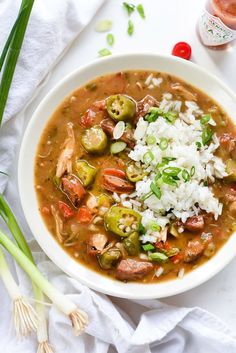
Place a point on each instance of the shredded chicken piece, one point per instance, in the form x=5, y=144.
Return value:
x=64, y=163
x=59, y=224
x=184, y=92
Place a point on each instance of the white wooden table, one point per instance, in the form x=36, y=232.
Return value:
x=167, y=22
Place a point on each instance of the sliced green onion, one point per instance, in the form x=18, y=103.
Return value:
x=170, y=117
x=168, y=179
x=172, y=252
x=104, y=52
x=118, y=147
x=158, y=257
x=163, y=144
x=205, y=183
x=156, y=190
x=207, y=134
x=155, y=112
x=140, y=10
x=198, y=144
x=110, y=39
x=192, y=171
x=154, y=226
x=173, y=171
x=145, y=197
x=148, y=157
x=141, y=228
x=168, y=159
x=78, y=318
x=148, y=247
x=151, y=139
x=205, y=119
x=130, y=29
x=129, y=8
x=185, y=175
x=11, y=52
x=103, y=26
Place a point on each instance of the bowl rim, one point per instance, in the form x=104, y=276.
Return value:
x=65, y=262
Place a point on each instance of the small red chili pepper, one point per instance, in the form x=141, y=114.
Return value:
x=182, y=50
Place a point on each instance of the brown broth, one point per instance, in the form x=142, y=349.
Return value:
x=54, y=134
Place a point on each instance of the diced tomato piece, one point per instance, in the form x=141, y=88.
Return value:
x=87, y=119
x=84, y=215
x=66, y=211
x=114, y=172
x=45, y=210
x=176, y=258
x=163, y=245
x=183, y=50
x=115, y=184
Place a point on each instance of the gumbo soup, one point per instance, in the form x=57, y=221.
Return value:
x=135, y=175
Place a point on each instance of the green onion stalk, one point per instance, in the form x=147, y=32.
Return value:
x=9, y=218
x=78, y=318
x=11, y=52
x=24, y=315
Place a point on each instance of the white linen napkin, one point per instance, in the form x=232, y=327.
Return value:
x=148, y=326
x=52, y=27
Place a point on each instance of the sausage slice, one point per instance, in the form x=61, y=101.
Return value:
x=193, y=251
x=130, y=269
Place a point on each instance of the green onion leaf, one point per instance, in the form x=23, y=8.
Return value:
x=198, y=144
x=11, y=52
x=110, y=39
x=140, y=10
x=154, y=226
x=103, y=26
x=205, y=119
x=104, y=52
x=163, y=144
x=151, y=140
x=129, y=8
x=130, y=29
x=158, y=257
x=168, y=179
x=141, y=229
x=192, y=171
x=145, y=197
x=117, y=147
x=148, y=247
x=148, y=157
x=156, y=190
x=207, y=134
x=155, y=112
x=185, y=175
x=172, y=171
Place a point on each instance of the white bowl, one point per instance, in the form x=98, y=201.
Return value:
x=187, y=71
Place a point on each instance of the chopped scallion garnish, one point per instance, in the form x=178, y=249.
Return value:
x=151, y=140
x=170, y=180
x=130, y=29
x=110, y=39
x=205, y=119
x=154, y=226
x=185, y=175
x=103, y=26
x=104, y=52
x=141, y=229
x=148, y=247
x=163, y=144
x=158, y=257
x=129, y=7
x=148, y=157
x=155, y=112
x=140, y=10
x=198, y=144
x=207, y=134
x=172, y=171
x=192, y=171
x=156, y=190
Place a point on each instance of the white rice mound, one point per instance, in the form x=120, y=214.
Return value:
x=188, y=198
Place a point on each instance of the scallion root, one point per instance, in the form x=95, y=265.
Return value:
x=25, y=317
x=44, y=347
x=79, y=320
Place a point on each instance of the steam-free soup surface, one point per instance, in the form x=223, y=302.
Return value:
x=108, y=172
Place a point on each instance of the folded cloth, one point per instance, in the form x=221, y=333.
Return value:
x=150, y=327
x=52, y=27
